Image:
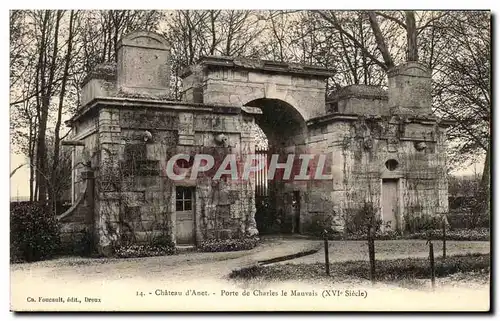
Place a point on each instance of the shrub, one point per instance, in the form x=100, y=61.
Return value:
x=250, y=272
x=454, y=235
x=34, y=232
x=379, y=235
x=319, y=224
x=143, y=250
x=388, y=270
x=158, y=246
x=416, y=224
x=419, y=267
x=227, y=245
x=84, y=244
x=466, y=220
x=358, y=221
x=80, y=243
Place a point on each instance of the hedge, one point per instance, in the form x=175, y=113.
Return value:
x=34, y=232
x=386, y=270
x=227, y=245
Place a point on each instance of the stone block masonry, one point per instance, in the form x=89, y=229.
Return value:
x=381, y=147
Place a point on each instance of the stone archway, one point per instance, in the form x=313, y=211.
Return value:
x=278, y=208
x=288, y=94
x=239, y=81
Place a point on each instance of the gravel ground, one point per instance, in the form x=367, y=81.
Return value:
x=184, y=265
x=117, y=281
x=218, y=265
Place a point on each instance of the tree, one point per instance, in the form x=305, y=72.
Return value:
x=462, y=90
x=46, y=67
x=51, y=52
x=196, y=33
x=62, y=92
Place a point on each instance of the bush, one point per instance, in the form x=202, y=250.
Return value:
x=143, y=250
x=34, y=232
x=227, y=245
x=358, y=221
x=158, y=246
x=319, y=224
x=84, y=244
x=478, y=234
x=466, y=220
x=416, y=224
x=413, y=268
x=379, y=235
x=388, y=270
x=454, y=235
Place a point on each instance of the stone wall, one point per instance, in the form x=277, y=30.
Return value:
x=131, y=129
x=137, y=199
x=359, y=99
x=360, y=147
x=76, y=224
x=222, y=80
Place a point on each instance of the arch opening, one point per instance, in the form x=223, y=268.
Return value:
x=284, y=132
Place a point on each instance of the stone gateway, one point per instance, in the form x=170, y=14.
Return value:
x=383, y=148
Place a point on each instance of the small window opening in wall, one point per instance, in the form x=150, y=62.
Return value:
x=391, y=164
x=183, y=198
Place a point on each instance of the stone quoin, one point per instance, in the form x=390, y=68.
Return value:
x=382, y=146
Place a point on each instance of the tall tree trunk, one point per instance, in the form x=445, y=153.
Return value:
x=42, y=166
x=485, y=181
x=31, y=157
x=54, y=196
x=363, y=55
x=379, y=38
x=411, y=36
x=40, y=88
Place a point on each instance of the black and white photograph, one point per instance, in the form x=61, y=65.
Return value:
x=238, y=160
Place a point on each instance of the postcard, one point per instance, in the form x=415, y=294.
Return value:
x=250, y=160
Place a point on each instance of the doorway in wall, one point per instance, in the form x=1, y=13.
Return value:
x=185, y=215
x=390, y=203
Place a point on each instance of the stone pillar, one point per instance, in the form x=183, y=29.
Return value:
x=248, y=188
x=143, y=67
x=410, y=87
x=186, y=129
x=110, y=174
x=192, y=84
x=89, y=176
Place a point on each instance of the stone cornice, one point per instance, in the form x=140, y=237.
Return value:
x=340, y=117
x=262, y=65
x=179, y=106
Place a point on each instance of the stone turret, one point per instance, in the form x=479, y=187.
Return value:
x=359, y=99
x=410, y=87
x=143, y=67
x=142, y=70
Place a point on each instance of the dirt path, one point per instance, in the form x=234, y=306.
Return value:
x=185, y=265
x=219, y=265
x=121, y=283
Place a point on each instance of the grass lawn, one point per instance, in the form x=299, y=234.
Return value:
x=386, y=270
x=341, y=251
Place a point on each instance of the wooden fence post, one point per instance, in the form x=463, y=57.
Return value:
x=431, y=259
x=327, y=260
x=444, y=238
x=371, y=253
